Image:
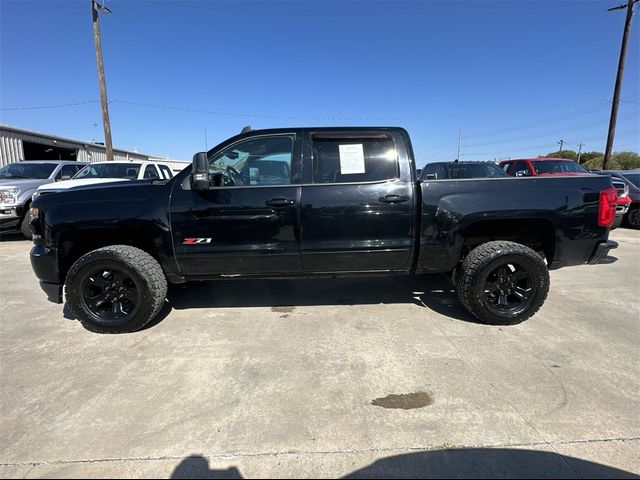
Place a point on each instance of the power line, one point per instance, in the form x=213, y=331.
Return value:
x=542, y=122
x=326, y=14
x=631, y=132
x=544, y=134
x=41, y=107
x=309, y=117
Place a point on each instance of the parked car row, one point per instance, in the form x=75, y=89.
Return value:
x=628, y=193
x=535, y=167
x=21, y=182
x=631, y=180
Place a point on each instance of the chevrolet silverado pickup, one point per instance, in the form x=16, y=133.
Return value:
x=313, y=202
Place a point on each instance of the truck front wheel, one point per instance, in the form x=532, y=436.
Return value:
x=503, y=283
x=116, y=289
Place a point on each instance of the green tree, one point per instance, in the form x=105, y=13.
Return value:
x=568, y=154
x=625, y=160
x=592, y=160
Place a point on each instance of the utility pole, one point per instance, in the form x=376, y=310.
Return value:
x=580, y=145
x=459, y=136
x=561, y=142
x=618, y=85
x=95, y=6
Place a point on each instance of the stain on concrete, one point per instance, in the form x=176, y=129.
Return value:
x=405, y=401
x=286, y=315
x=283, y=309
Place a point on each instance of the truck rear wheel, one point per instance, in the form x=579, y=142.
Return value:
x=503, y=283
x=116, y=289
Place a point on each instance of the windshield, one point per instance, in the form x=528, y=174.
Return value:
x=27, y=170
x=109, y=170
x=558, y=166
x=479, y=170
x=633, y=178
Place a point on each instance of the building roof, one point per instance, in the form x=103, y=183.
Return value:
x=72, y=140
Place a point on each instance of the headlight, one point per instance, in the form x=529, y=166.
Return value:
x=9, y=195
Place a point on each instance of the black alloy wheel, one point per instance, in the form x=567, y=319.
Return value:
x=509, y=289
x=503, y=282
x=116, y=289
x=111, y=295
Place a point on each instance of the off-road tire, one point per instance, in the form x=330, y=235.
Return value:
x=481, y=261
x=24, y=225
x=143, y=269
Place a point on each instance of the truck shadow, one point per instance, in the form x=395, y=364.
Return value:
x=451, y=463
x=434, y=292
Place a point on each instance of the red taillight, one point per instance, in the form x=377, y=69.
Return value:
x=607, y=208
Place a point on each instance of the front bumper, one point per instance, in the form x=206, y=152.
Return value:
x=53, y=291
x=45, y=266
x=601, y=251
x=10, y=216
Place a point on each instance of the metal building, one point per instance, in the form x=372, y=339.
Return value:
x=17, y=144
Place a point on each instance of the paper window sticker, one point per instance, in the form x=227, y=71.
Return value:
x=351, y=159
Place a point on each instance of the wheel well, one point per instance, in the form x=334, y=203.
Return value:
x=74, y=245
x=537, y=234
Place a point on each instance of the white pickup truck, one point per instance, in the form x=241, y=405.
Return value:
x=109, y=172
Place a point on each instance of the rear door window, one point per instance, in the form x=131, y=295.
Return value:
x=354, y=160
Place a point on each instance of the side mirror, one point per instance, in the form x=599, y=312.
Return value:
x=200, y=178
x=431, y=176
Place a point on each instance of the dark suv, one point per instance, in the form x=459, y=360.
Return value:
x=459, y=170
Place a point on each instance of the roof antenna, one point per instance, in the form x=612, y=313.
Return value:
x=246, y=129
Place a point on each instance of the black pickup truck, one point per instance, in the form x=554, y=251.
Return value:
x=309, y=202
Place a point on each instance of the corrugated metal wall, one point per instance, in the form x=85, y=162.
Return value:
x=91, y=153
x=11, y=149
x=11, y=144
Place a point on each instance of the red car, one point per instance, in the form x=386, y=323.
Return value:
x=544, y=167
x=533, y=167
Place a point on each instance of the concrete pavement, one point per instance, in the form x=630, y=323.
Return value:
x=277, y=378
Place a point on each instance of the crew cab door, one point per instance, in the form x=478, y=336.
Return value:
x=249, y=223
x=358, y=202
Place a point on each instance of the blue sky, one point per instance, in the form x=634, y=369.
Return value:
x=514, y=76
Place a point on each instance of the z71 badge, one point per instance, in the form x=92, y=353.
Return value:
x=194, y=241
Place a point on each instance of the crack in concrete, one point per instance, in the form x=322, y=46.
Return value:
x=318, y=452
